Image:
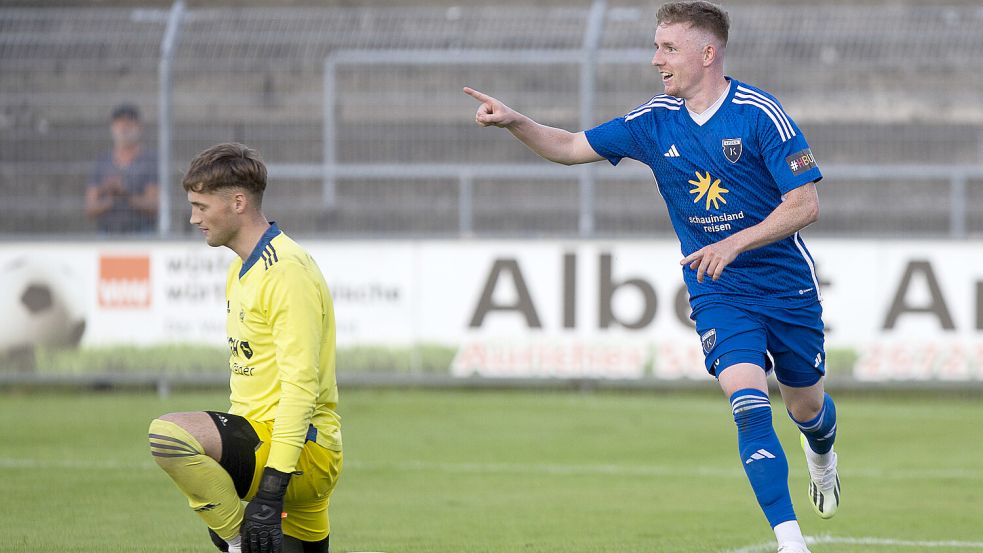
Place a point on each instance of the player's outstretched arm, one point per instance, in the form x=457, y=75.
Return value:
x=799, y=208
x=554, y=144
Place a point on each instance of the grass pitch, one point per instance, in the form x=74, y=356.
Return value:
x=501, y=472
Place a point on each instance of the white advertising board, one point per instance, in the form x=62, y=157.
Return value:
x=598, y=309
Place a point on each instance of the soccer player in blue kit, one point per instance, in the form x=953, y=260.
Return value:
x=739, y=181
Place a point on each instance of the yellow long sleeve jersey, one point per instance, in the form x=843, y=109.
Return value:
x=281, y=328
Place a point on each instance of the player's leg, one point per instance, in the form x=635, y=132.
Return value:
x=814, y=412
x=762, y=455
x=210, y=457
x=797, y=340
x=734, y=342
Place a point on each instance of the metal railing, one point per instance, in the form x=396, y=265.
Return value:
x=309, y=87
x=956, y=177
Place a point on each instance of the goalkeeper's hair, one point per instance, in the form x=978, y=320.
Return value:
x=227, y=165
x=705, y=16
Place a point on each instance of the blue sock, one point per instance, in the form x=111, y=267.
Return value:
x=820, y=431
x=762, y=454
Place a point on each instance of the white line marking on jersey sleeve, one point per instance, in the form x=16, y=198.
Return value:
x=660, y=99
x=635, y=114
x=886, y=542
x=748, y=93
x=778, y=126
x=767, y=108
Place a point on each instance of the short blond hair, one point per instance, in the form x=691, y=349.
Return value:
x=705, y=16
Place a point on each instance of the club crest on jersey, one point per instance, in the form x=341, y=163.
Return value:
x=709, y=339
x=732, y=149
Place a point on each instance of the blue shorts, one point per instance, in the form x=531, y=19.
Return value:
x=790, y=341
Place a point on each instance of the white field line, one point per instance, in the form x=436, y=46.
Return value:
x=660, y=470
x=886, y=542
x=526, y=468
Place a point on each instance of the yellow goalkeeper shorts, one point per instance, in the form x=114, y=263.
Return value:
x=245, y=448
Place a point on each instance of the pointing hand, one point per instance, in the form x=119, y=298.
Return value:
x=491, y=112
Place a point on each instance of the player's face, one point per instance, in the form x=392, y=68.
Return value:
x=125, y=131
x=215, y=216
x=679, y=58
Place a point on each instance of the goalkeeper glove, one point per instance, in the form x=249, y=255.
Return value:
x=261, y=529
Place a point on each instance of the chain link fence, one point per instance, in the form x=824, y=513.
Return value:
x=889, y=97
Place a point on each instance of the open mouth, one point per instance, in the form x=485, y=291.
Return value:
x=665, y=75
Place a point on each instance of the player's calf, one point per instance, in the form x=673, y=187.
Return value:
x=820, y=431
x=765, y=463
x=762, y=455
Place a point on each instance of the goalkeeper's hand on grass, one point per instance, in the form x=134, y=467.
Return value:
x=261, y=529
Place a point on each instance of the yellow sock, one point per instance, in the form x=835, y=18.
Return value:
x=209, y=489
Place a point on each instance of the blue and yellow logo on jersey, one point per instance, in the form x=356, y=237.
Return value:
x=708, y=188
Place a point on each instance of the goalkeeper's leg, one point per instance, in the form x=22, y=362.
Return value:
x=176, y=443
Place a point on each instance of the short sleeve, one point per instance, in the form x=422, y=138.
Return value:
x=614, y=140
x=785, y=150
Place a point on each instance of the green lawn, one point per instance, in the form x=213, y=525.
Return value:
x=509, y=472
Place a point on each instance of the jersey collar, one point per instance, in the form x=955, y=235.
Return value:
x=264, y=241
x=701, y=118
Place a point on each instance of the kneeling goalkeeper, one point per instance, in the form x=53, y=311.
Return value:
x=279, y=445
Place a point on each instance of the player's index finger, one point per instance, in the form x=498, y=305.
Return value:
x=481, y=97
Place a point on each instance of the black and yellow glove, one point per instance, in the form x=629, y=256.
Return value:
x=261, y=529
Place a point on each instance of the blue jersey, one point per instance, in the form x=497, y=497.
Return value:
x=720, y=178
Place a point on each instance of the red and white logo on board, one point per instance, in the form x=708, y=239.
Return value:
x=124, y=282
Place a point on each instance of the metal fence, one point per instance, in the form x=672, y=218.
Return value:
x=359, y=111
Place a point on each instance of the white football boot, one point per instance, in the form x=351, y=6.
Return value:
x=792, y=547
x=824, y=484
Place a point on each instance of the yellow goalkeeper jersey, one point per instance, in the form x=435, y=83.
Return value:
x=281, y=328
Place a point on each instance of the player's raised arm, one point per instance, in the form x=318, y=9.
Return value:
x=554, y=144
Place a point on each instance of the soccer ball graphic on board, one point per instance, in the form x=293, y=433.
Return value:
x=40, y=306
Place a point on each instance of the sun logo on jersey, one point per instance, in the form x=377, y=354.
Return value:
x=707, y=187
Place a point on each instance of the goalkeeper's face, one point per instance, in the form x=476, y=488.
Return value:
x=215, y=214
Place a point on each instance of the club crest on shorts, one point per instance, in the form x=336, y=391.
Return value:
x=732, y=149
x=709, y=339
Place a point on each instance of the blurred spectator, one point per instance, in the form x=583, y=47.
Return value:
x=122, y=194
